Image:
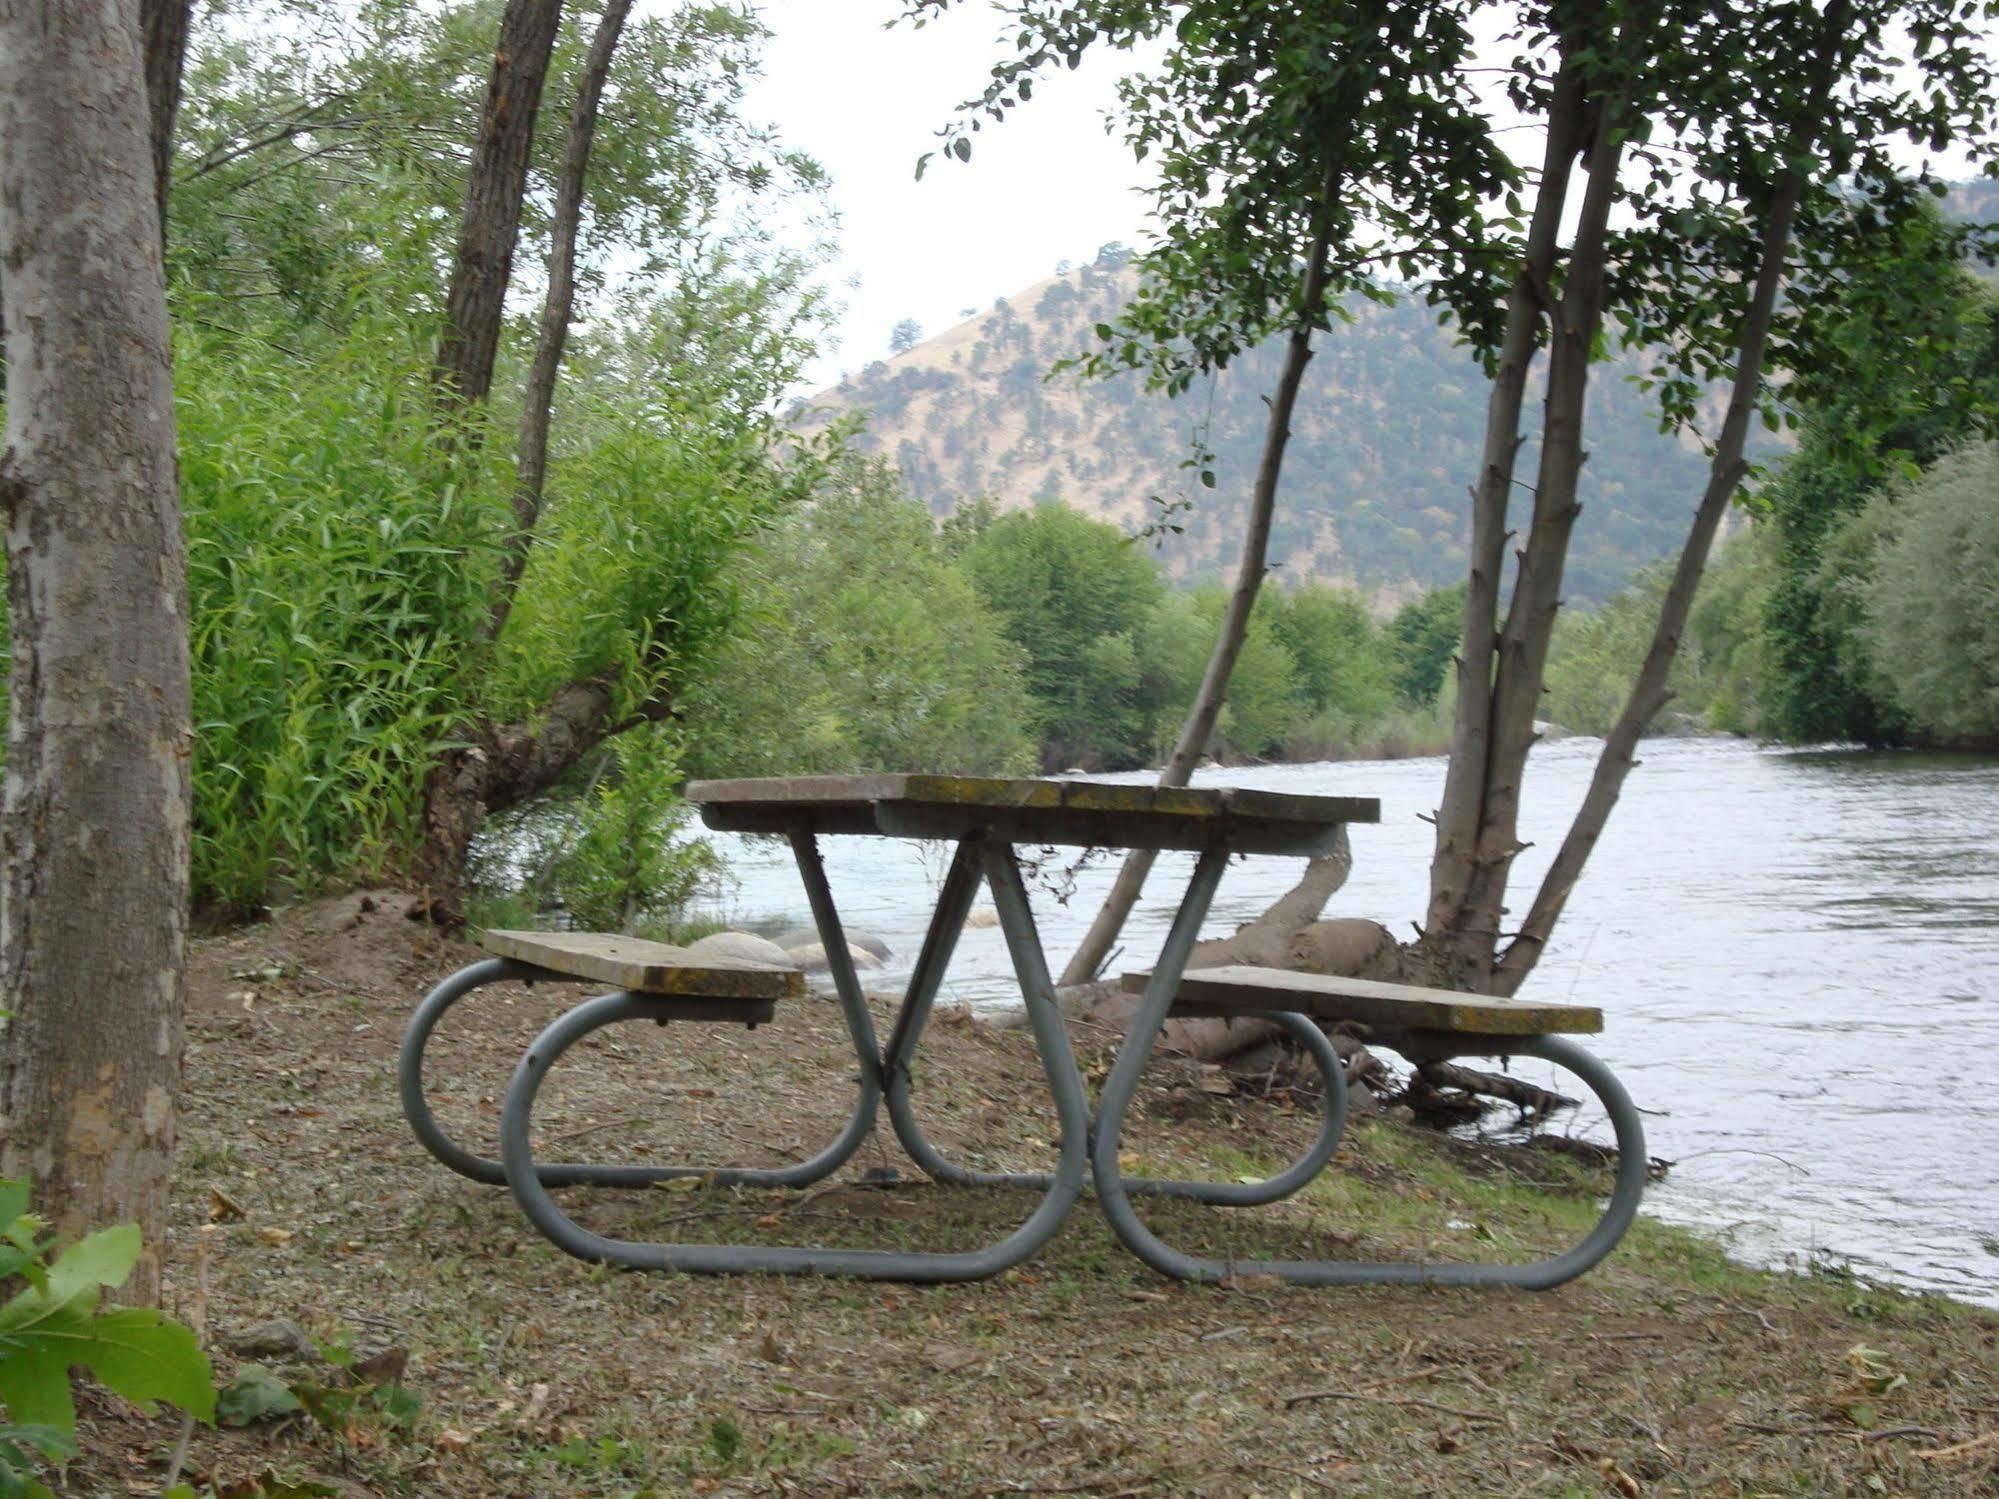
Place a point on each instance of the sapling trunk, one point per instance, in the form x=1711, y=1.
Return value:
x=1199, y=726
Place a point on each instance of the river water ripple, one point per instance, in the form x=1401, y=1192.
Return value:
x=1797, y=954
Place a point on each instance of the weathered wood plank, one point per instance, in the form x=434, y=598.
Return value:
x=1032, y=811
x=644, y=967
x=1394, y=1006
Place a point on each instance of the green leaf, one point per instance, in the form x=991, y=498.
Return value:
x=1864, y=1416
x=13, y=1201
x=255, y=1394
x=145, y=1355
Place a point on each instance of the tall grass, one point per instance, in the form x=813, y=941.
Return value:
x=338, y=556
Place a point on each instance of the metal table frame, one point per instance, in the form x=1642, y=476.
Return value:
x=986, y=834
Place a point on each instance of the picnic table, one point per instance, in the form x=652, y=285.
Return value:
x=989, y=820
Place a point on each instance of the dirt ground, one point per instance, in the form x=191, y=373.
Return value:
x=302, y=1197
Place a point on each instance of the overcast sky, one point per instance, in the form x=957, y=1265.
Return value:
x=1048, y=185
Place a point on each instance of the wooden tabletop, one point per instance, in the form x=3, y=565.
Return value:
x=1088, y=813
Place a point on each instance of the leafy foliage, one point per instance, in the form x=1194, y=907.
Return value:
x=864, y=648
x=1909, y=368
x=53, y=1324
x=1073, y=594
x=1931, y=602
x=344, y=533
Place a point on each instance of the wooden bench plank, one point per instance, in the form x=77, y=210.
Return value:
x=1409, y=1007
x=644, y=967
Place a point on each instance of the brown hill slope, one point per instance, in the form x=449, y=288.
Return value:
x=1385, y=442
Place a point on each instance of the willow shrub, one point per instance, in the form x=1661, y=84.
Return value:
x=1931, y=605
x=337, y=576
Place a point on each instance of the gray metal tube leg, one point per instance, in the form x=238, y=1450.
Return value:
x=431, y=1135
x=1065, y=1084
x=1538, y=1276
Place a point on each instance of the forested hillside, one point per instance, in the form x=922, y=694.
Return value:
x=1385, y=442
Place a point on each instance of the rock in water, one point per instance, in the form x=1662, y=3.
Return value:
x=812, y=958
x=742, y=947
x=805, y=936
x=869, y=942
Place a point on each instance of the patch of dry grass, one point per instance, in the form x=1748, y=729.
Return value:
x=1667, y=1371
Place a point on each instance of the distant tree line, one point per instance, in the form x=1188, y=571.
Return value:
x=878, y=639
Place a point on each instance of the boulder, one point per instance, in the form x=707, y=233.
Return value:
x=981, y=917
x=805, y=936
x=812, y=958
x=742, y=947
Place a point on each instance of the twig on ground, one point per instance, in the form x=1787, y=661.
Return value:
x=1408, y=1401
x=1300, y=1474
x=1958, y=1449
x=1764, y=1429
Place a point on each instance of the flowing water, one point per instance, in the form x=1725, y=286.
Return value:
x=1797, y=954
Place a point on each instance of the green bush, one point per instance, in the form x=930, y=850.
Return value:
x=337, y=562
x=1930, y=607
x=863, y=648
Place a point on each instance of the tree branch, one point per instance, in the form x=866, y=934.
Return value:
x=557, y=308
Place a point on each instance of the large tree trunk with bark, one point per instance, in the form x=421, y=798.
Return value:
x=494, y=189
x=1527, y=308
x=1199, y=727
x=94, y=842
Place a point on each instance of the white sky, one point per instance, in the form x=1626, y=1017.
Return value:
x=1046, y=186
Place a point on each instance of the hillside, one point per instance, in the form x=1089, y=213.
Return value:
x=1385, y=441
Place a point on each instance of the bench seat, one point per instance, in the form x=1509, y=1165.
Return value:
x=639, y=966
x=1238, y=989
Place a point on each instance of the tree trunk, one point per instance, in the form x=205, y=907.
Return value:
x=94, y=840
x=166, y=25
x=1200, y=724
x=1648, y=692
x=494, y=188
x=501, y=767
x=557, y=308
x=1469, y=936
x=1462, y=806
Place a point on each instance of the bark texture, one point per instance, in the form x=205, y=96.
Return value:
x=94, y=839
x=500, y=766
x=558, y=307
x=491, y=223
x=1199, y=727
x=166, y=26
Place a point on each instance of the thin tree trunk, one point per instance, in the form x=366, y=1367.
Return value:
x=1648, y=692
x=491, y=221
x=94, y=837
x=1468, y=938
x=557, y=309
x=1460, y=810
x=165, y=23
x=1207, y=706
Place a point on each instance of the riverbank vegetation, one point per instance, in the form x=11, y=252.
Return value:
x=1856, y=603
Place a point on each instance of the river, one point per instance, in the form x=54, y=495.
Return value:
x=1797, y=953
